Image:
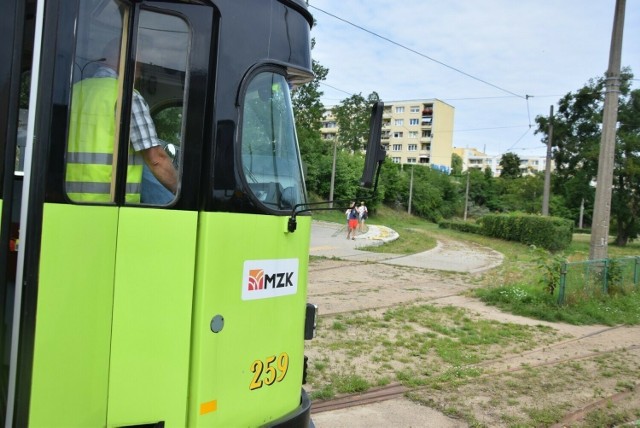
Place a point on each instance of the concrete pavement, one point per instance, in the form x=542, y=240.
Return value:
x=329, y=240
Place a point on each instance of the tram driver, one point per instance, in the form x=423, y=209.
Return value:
x=92, y=136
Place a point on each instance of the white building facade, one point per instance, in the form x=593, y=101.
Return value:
x=473, y=158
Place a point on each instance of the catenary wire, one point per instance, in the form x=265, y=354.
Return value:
x=418, y=53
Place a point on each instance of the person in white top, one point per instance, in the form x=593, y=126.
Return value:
x=363, y=214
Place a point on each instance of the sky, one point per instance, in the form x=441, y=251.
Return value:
x=499, y=63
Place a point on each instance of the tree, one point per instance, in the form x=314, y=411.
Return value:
x=308, y=111
x=456, y=164
x=627, y=171
x=353, y=115
x=576, y=145
x=510, y=163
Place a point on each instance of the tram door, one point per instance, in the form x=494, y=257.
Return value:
x=105, y=318
x=15, y=58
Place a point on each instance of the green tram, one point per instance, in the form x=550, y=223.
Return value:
x=154, y=272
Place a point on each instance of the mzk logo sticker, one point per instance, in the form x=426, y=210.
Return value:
x=263, y=279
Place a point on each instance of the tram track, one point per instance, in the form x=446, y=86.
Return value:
x=351, y=287
x=397, y=390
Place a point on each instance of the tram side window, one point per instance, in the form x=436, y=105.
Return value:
x=162, y=81
x=270, y=155
x=97, y=102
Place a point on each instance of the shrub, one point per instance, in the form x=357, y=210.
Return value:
x=461, y=226
x=551, y=233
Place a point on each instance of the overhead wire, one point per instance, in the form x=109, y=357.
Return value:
x=518, y=140
x=418, y=53
x=511, y=94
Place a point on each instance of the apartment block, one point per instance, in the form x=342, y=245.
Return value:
x=413, y=132
x=473, y=158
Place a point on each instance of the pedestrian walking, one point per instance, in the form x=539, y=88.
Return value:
x=363, y=215
x=352, y=221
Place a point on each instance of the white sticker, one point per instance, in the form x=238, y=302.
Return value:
x=263, y=279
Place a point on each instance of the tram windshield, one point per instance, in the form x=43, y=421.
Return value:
x=270, y=155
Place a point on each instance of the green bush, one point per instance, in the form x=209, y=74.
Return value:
x=551, y=233
x=461, y=226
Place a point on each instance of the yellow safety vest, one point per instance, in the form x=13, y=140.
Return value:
x=91, y=141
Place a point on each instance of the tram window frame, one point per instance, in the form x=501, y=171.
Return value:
x=259, y=192
x=147, y=85
x=132, y=58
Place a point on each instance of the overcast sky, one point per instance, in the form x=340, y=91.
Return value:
x=543, y=48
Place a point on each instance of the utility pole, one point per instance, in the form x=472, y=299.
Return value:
x=581, y=214
x=466, y=196
x=333, y=172
x=410, y=191
x=547, y=169
x=602, y=203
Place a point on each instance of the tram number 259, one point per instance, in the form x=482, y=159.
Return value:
x=269, y=371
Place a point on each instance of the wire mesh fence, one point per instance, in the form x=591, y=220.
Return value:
x=597, y=278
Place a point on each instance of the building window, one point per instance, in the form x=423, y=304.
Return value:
x=424, y=160
x=412, y=147
x=395, y=160
x=415, y=121
x=413, y=134
x=399, y=109
x=415, y=109
x=399, y=122
x=425, y=146
x=411, y=160
x=397, y=134
x=397, y=147
x=426, y=133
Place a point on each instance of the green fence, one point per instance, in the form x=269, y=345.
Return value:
x=596, y=278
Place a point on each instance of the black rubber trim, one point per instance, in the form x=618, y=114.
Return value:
x=300, y=417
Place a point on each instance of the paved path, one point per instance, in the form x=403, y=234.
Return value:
x=329, y=240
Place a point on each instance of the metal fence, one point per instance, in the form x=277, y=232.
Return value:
x=596, y=278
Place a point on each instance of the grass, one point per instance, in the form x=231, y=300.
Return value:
x=516, y=285
x=441, y=350
x=412, y=344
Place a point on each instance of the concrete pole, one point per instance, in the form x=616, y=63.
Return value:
x=547, y=170
x=602, y=203
x=580, y=221
x=466, y=197
x=333, y=172
x=410, y=191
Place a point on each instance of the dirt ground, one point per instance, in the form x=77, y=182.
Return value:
x=577, y=371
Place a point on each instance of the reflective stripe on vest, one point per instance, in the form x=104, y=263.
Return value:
x=90, y=146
